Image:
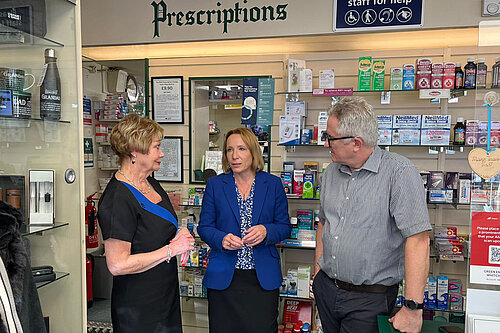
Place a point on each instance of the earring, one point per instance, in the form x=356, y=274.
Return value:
x=133, y=159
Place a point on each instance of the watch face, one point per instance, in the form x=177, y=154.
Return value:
x=412, y=305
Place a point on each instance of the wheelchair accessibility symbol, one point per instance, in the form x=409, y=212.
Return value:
x=351, y=17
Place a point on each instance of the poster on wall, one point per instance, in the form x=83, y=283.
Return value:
x=485, y=248
x=88, y=152
x=265, y=102
x=171, y=169
x=167, y=96
x=250, y=101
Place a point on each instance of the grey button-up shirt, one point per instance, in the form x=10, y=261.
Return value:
x=367, y=216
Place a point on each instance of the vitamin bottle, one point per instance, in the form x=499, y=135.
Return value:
x=459, y=132
x=459, y=76
x=470, y=70
x=495, y=71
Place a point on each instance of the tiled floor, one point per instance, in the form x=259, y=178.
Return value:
x=194, y=314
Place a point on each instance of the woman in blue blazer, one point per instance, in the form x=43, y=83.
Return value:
x=244, y=214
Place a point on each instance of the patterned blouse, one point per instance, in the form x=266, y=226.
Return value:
x=245, y=254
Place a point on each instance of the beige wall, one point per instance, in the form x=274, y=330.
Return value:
x=111, y=22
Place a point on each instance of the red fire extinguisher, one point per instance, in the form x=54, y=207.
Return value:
x=91, y=238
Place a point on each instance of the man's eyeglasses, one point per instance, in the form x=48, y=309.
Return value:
x=325, y=137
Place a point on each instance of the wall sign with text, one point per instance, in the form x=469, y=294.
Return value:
x=362, y=15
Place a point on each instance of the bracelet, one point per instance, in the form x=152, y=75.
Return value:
x=169, y=254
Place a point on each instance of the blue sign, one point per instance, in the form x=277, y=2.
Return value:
x=250, y=101
x=266, y=102
x=352, y=15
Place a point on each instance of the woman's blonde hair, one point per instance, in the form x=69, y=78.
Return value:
x=134, y=133
x=252, y=144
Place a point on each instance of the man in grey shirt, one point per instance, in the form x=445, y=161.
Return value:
x=373, y=229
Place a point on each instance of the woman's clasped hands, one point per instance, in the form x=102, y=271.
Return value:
x=253, y=237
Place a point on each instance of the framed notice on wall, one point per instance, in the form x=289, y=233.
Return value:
x=171, y=167
x=167, y=96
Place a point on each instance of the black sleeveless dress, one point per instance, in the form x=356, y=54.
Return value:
x=146, y=302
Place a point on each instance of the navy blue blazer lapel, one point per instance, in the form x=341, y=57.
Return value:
x=230, y=192
x=259, y=196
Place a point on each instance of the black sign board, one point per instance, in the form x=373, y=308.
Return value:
x=362, y=15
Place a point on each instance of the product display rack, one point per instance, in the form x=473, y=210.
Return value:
x=34, y=143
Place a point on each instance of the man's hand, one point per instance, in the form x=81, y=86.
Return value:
x=407, y=320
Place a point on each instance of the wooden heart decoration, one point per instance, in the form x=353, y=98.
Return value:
x=484, y=165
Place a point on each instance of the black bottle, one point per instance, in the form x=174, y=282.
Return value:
x=50, y=89
x=470, y=70
x=459, y=132
x=459, y=76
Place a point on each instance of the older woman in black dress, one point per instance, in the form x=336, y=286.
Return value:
x=141, y=237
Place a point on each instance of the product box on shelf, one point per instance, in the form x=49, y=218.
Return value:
x=364, y=73
x=322, y=121
x=12, y=191
x=435, y=130
x=449, y=75
x=6, y=102
x=406, y=129
x=290, y=128
x=396, y=82
x=283, y=287
x=295, y=310
x=296, y=108
x=306, y=80
x=437, y=195
x=327, y=78
x=424, y=72
x=464, y=184
x=305, y=219
x=409, y=77
x=288, y=166
x=291, y=278
x=41, y=197
x=384, y=130
x=437, y=76
x=286, y=179
x=436, y=179
x=445, y=232
x=312, y=168
x=306, y=136
x=308, y=188
x=455, y=286
x=432, y=287
x=378, y=74
x=456, y=301
x=294, y=67
x=483, y=133
x=306, y=235
x=303, y=277
x=442, y=293
x=471, y=132
x=298, y=181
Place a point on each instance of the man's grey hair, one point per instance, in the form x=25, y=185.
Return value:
x=356, y=118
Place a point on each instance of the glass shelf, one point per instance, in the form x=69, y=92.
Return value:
x=225, y=101
x=109, y=120
x=193, y=267
x=296, y=244
x=310, y=93
x=59, y=275
x=35, y=229
x=383, y=146
x=10, y=122
x=199, y=297
x=426, y=309
x=296, y=297
x=14, y=38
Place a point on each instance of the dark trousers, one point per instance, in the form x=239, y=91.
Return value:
x=343, y=311
x=244, y=307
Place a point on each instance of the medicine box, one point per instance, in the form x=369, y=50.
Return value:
x=407, y=121
x=303, y=277
x=435, y=130
x=456, y=301
x=378, y=74
x=327, y=78
x=437, y=195
x=396, y=82
x=292, y=282
x=432, y=287
x=306, y=80
x=308, y=188
x=445, y=232
x=306, y=136
x=455, y=286
x=293, y=74
x=448, y=75
x=286, y=179
x=406, y=129
x=364, y=73
x=442, y=293
x=322, y=121
x=424, y=72
x=290, y=129
x=437, y=76
x=298, y=181
x=297, y=108
x=305, y=219
x=408, y=77
x=384, y=130
x=463, y=190
x=283, y=287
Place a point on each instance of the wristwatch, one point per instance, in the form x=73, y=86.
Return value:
x=413, y=305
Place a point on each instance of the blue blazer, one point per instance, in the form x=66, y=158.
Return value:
x=220, y=215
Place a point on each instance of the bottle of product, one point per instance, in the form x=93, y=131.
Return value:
x=482, y=70
x=459, y=76
x=495, y=71
x=395, y=137
x=459, y=132
x=296, y=328
x=50, y=88
x=470, y=70
x=306, y=328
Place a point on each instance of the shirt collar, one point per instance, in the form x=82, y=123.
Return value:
x=372, y=163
